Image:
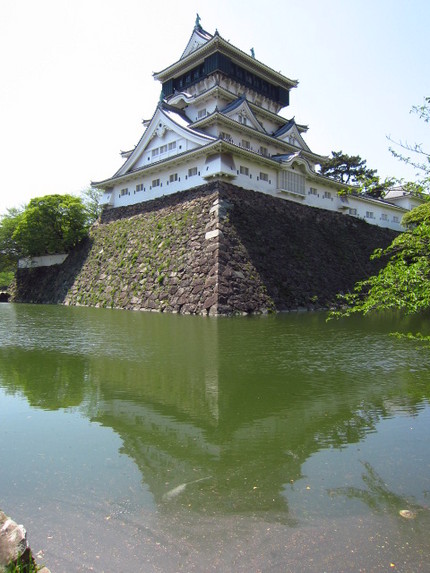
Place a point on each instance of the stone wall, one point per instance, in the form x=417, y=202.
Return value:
x=14, y=546
x=216, y=249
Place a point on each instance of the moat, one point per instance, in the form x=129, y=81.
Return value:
x=159, y=442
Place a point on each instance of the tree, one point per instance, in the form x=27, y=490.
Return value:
x=353, y=170
x=47, y=225
x=91, y=199
x=9, y=250
x=374, y=186
x=348, y=169
x=420, y=159
x=417, y=216
x=403, y=284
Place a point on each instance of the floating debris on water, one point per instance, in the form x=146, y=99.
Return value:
x=407, y=513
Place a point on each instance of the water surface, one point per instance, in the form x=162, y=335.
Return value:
x=147, y=442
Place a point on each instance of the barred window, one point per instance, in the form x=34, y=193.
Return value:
x=293, y=182
x=192, y=171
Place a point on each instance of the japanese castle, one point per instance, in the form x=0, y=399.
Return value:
x=218, y=118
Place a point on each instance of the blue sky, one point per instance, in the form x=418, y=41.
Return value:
x=76, y=78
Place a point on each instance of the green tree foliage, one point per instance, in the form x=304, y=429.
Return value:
x=6, y=277
x=353, y=170
x=348, y=169
x=91, y=199
x=9, y=249
x=417, y=216
x=403, y=284
x=47, y=225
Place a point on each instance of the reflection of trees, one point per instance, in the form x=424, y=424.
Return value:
x=377, y=496
x=48, y=380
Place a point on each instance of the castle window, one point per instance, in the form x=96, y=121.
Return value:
x=163, y=149
x=313, y=191
x=202, y=113
x=244, y=170
x=352, y=212
x=139, y=187
x=264, y=151
x=395, y=219
x=155, y=152
x=124, y=192
x=327, y=195
x=246, y=144
x=192, y=171
x=225, y=135
x=292, y=182
x=156, y=183
x=384, y=217
x=264, y=176
x=369, y=215
x=173, y=177
x=172, y=145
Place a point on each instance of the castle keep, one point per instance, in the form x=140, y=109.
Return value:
x=219, y=118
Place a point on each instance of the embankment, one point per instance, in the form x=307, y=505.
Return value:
x=216, y=249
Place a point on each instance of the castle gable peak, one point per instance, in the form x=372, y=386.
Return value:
x=169, y=133
x=198, y=38
x=240, y=110
x=290, y=132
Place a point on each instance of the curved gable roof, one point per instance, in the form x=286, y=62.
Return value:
x=241, y=105
x=198, y=38
x=164, y=118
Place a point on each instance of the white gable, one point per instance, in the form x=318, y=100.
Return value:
x=293, y=136
x=168, y=134
x=243, y=114
x=199, y=37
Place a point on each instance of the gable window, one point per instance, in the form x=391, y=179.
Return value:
x=246, y=144
x=264, y=151
x=163, y=149
x=156, y=183
x=172, y=145
x=192, y=171
x=155, y=152
x=202, y=113
x=243, y=120
x=173, y=177
x=264, y=176
x=139, y=187
x=244, y=170
x=124, y=192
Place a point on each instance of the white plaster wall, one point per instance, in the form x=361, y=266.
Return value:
x=326, y=197
x=146, y=157
x=44, y=261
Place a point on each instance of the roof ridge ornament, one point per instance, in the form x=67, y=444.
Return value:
x=197, y=24
x=252, y=53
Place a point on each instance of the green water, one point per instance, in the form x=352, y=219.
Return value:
x=146, y=442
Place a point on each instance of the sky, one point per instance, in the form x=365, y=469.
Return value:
x=76, y=78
